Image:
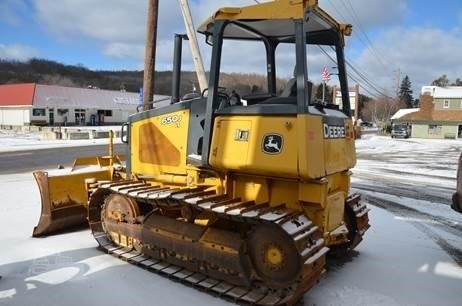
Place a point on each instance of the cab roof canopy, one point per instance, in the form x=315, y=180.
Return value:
x=275, y=20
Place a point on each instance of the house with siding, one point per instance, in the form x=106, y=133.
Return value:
x=439, y=115
x=50, y=105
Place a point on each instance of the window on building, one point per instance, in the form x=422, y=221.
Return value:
x=38, y=112
x=434, y=129
x=108, y=113
x=446, y=104
x=79, y=116
x=62, y=111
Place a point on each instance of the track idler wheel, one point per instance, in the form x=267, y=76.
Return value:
x=121, y=209
x=274, y=256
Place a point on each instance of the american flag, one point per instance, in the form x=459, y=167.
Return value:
x=325, y=75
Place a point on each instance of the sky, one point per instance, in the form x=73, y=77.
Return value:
x=391, y=39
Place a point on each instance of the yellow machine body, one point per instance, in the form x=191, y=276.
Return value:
x=166, y=135
x=310, y=173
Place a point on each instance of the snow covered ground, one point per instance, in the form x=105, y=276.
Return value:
x=416, y=173
x=19, y=141
x=410, y=256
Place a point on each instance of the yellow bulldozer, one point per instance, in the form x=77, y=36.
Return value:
x=243, y=200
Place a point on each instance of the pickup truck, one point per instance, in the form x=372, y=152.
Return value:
x=401, y=131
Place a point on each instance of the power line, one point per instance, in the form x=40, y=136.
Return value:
x=363, y=76
x=357, y=76
x=363, y=37
x=362, y=87
x=369, y=43
x=338, y=11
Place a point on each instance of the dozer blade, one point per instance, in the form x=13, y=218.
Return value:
x=64, y=194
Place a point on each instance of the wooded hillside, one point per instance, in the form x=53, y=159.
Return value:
x=53, y=73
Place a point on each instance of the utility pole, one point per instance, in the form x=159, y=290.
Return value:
x=398, y=80
x=334, y=95
x=190, y=31
x=356, y=102
x=150, y=54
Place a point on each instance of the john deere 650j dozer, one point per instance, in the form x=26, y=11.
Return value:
x=242, y=200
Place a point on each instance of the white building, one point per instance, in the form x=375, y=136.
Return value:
x=439, y=115
x=353, y=94
x=50, y=105
x=450, y=92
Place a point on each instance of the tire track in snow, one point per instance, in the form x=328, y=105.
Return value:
x=418, y=219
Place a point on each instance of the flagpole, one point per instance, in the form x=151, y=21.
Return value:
x=325, y=77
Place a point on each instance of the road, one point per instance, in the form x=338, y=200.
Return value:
x=30, y=160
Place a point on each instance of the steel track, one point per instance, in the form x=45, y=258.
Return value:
x=304, y=233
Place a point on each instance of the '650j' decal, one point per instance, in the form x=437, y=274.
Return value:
x=170, y=119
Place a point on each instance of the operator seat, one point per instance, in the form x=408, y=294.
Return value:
x=290, y=90
x=287, y=96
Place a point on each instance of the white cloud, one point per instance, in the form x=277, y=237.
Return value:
x=423, y=54
x=117, y=20
x=374, y=13
x=120, y=24
x=17, y=52
x=124, y=50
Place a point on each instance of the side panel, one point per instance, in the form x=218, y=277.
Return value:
x=158, y=144
x=255, y=144
x=231, y=142
x=339, y=150
x=307, y=146
x=326, y=145
x=311, y=147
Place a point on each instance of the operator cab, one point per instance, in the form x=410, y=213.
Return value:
x=294, y=41
x=309, y=44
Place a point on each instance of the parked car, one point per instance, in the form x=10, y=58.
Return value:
x=401, y=131
x=367, y=124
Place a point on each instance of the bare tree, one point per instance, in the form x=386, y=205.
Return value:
x=380, y=109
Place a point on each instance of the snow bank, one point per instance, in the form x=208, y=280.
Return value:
x=19, y=141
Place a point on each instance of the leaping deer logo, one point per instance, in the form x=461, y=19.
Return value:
x=272, y=144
